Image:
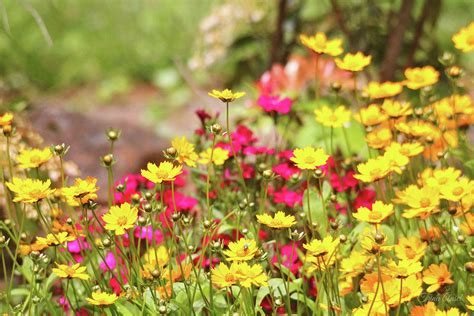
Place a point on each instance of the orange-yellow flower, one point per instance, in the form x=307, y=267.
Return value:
x=437, y=276
x=55, y=239
x=332, y=118
x=464, y=39
x=309, y=158
x=373, y=170
x=6, y=119
x=422, y=202
x=279, y=220
x=219, y=156
x=371, y=115
x=353, y=62
x=120, y=218
x=166, y=171
x=81, y=192
x=226, y=95
x=403, y=268
x=323, y=247
x=377, y=215
x=427, y=309
x=33, y=158
x=185, y=150
x=29, y=190
x=411, y=287
x=380, y=90
x=379, y=138
x=396, y=109
x=410, y=248
x=320, y=44
x=71, y=272
x=101, y=298
x=241, y=250
x=420, y=77
x=406, y=149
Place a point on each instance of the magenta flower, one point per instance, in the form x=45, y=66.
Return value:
x=275, y=104
x=287, y=197
x=286, y=170
x=147, y=233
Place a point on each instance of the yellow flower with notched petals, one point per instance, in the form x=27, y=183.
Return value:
x=322, y=247
x=71, y=272
x=410, y=248
x=411, y=288
x=120, y=218
x=470, y=299
x=320, y=44
x=185, y=150
x=374, y=169
x=464, y=39
x=454, y=191
x=379, y=138
x=241, y=250
x=406, y=149
x=396, y=109
x=309, y=158
x=422, y=202
x=354, y=264
x=33, y=158
x=403, y=269
x=219, y=156
x=377, y=215
x=226, y=95
x=29, y=190
x=380, y=90
x=280, y=220
x=101, y=298
x=420, y=77
x=223, y=276
x=81, y=192
x=6, y=119
x=166, y=171
x=396, y=159
x=249, y=275
x=437, y=276
x=371, y=115
x=427, y=309
x=353, y=62
x=332, y=118
x=55, y=239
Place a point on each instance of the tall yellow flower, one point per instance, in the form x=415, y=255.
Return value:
x=280, y=220
x=226, y=95
x=396, y=159
x=309, y=158
x=120, y=218
x=55, y=239
x=29, y=190
x=454, y=191
x=396, y=109
x=6, y=119
x=185, y=149
x=464, y=39
x=406, y=149
x=379, y=138
x=81, y=192
x=371, y=115
x=353, y=62
x=470, y=299
x=332, y=118
x=33, y=158
x=437, y=276
x=322, y=247
x=101, y=298
x=249, y=275
x=411, y=248
x=422, y=202
x=411, y=287
x=373, y=170
x=380, y=90
x=241, y=250
x=420, y=77
x=377, y=215
x=165, y=172
x=403, y=268
x=71, y=272
x=219, y=156
x=223, y=276
x=320, y=44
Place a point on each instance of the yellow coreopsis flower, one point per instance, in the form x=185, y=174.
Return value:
x=101, y=298
x=420, y=77
x=353, y=62
x=371, y=115
x=454, y=191
x=422, y=202
x=120, y=218
x=403, y=268
x=439, y=177
x=185, y=149
x=354, y=264
x=373, y=170
x=380, y=90
x=470, y=300
x=464, y=38
x=249, y=275
x=6, y=119
x=320, y=44
x=226, y=95
x=377, y=215
x=309, y=158
x=411, y=288
x=241, y=250
x=219, y=156
x=411, y=248
x=280, y=220
x=396, y=109
x=33, y=158
x=396, y=159
x=379, y=138
x=157, y=256
x=332, y=118
x=223, y=276
x=427, y=309
x=166, y=171
x=29, y=190
x=55, y=239
x=81, y=192
x=71, y=272
x=450, y=312
x=322, y=247
x=406, y=149
x=437, y=276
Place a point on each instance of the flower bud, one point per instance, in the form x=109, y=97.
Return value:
x=267, y=174
x=155, y=273
x=207, y=224
x=171, y=153
x=446, y=59
x=461, y=239
x=135, y=198
x=216, y=129
x=176, y=216
x=379, y=238
x=112, y=134
x=106, y=242
x=69, y=221
x=245, y=231
x=318, y=173
x=336, y=86
x=60, y=149
x=454, y=72
x=334, y=225
x=342, y=238
x=216, y=245
x=120, y=188
x=141, y=221
x=149, y=196
x=469, y=266
x=108, y=160
x=36, y=299
x=436, y=249
x=163, y=310
x=7, y=130
x=147, y=208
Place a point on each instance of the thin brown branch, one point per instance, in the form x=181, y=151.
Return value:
x=277, y=41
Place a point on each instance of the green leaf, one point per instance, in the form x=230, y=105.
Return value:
x=305, y=299
x=127, y=309
x=317, y=211
x=262, y=292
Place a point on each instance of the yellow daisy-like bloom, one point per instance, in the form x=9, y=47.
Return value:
x=101, y=298
x=120, y=218
x=411, y=248
x=403, y=269
x=380, y=90
x=439, y=177
x=427, y=309
x=437, y=276
x=323, y=247
x=241, y=250
x=71, y=272
x=29, y=190
x=332, y=118
x=371, y=115
x=353, y=62
x=420, y=77
x=320, y=44
x=280, y=220
x=166, y=171
x=411, y=288
x=406, y=149
x=396, y=109
x=185, y=149
x=454, y=191
x=157, y=256
x=6, y=119
x=422, y=202
x=377, y=215
x=464, y=39
x=223, y=276
x=226, y=95
x=81, y=192
x=371, y=246
x=450, y=312
x=396, y=159
x=309, y=158
x=249, y=275
x=470, y=299
x=354, y=264
x=379, y=138
x=33, y=158
x=373, y=170
x=55, y=239
x=219, y=156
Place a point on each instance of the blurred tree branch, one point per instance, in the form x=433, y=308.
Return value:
x=276, y=52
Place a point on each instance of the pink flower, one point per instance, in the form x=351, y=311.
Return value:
x=365, y=198
x=290, y=198
x=289, y=257
x=147, y=233
x=183, y=202
x=243, y=136
x=286, y=170
x=258, y=150
x=342, y=183
x=275, y=103
x=133, y=184
x=109, y=263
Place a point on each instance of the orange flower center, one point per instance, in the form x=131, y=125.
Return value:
x=122, y=220
x=458, y=191
x=70, y=272
x=425, y=202
x=375, y=172
x=375, y=215
x=229, y=277
x=309, y=160
x=160, y=174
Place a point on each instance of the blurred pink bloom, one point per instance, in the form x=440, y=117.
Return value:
x=365, y=198
x=275, y=103
x=147, y=233
x=290, y=198
x=286, y=170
